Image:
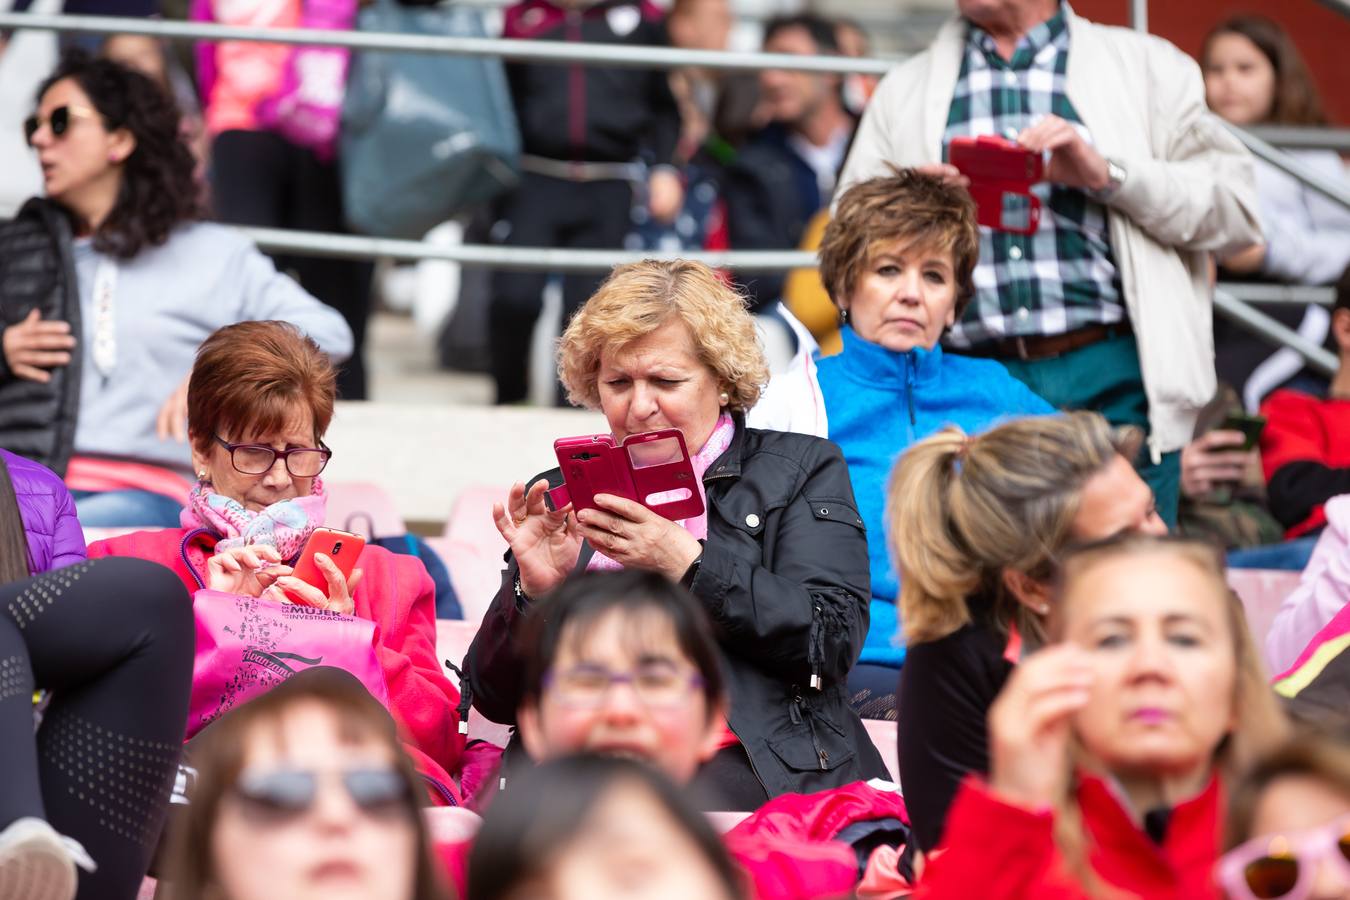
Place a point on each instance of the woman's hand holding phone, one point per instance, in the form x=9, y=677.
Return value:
x=337, y=597
x=545, y=542
x=1214, y=459
x=248, y=571
x=631, y=534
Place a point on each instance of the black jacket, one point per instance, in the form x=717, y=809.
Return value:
x=784, y=578
x=37, y=271
x=588, y=113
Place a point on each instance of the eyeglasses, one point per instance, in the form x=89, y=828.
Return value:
x=657, y=685
x=58, y=121
x=283, y=794
x=1285, y=866
x=258, y=459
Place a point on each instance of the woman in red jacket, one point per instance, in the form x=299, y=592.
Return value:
x=1108, y=751
x=259, y=400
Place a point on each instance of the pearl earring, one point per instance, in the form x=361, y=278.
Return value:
x=201, y=475
x=724, y=398
x=1043, y=609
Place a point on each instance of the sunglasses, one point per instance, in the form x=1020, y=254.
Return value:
x=280, y=795
x=58, y=121
x=1284, y=867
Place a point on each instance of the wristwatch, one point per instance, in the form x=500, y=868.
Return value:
x=1115, y=177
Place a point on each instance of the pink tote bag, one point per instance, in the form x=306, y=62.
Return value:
x=247, y=645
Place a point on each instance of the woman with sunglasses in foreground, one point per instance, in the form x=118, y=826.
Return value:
x=107, y=287
x=1110, y=751
x=304, y=794
x=259, y=401
x=1290, y=821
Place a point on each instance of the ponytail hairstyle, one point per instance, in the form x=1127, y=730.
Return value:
x=963, y=509
x=14, y=562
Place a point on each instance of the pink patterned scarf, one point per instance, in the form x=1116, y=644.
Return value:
x=285, y=525
x=717, y=444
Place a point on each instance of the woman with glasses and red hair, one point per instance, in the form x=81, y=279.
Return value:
x=109, y=283
x=259, y=401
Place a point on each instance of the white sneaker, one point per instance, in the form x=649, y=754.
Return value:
x=36, y=863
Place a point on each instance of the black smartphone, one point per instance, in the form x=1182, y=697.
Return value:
x=1250, y=426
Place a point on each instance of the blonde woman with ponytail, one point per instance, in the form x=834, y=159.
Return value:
x=977, y=525
x=1111, y=750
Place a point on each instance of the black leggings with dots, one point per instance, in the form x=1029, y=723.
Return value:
x=112, y=640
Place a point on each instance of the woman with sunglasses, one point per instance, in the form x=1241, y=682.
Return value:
x=1289, y=825
x=107, y=287
x=1111, y=750
x=259, y=401
x=303, y=793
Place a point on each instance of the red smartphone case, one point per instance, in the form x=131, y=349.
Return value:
x=652, y=469
x=997, y=167
x=342, y=547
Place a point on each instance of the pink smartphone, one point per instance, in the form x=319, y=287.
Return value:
x=342, y=547
x=1001, y=174
x=653, y=469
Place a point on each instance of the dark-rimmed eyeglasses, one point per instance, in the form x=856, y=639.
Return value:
x=58, y=121
x=282, y=794
x=657, y=685
x=258, y=459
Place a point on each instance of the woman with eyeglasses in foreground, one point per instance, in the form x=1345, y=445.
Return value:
x=107, y=287
x=1289, y=824
x=260, y=399
x=303, y=793
x=1111, y=750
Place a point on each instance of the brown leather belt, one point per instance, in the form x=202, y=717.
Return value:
x=1034, y=347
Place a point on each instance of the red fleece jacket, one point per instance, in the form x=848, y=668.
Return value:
x=396, y=593
x=998, y=851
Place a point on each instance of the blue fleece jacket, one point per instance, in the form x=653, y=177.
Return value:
x=879, y=402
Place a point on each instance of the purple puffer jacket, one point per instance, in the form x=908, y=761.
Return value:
x=55, y=538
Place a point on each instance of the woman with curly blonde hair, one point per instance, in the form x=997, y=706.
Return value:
x=778, y=560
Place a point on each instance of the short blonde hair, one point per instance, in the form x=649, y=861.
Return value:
x=637, y=299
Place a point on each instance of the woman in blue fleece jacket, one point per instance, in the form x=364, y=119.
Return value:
x=898, y=260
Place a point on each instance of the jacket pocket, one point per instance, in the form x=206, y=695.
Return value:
x=820, y=746
x=833, y=510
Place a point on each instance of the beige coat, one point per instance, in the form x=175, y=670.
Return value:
x=1189, y=192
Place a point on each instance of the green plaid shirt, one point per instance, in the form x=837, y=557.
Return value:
x=1064, y=276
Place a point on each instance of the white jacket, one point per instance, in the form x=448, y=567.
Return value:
x=1189, y=191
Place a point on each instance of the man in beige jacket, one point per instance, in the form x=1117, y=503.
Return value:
x=1107, y=305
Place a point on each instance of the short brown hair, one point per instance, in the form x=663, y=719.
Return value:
x=637, y=299
x=905, y=206
x=254, y=373
x=219, y=757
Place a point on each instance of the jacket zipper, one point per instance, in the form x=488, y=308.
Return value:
x=182, y=552
x=797, y=712
x=911, y=364
x=815, y=650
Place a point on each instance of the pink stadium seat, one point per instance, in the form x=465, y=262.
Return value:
x=882, y=734
x=452, y=641
x=1262, y=591
x=363, y=507
x=472, y=549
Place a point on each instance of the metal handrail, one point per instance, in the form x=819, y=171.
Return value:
x=1294, y=294
x=1334, y=189
x=536, y=259
x=1295, y=137
x=558, y=52
x=1264, y=326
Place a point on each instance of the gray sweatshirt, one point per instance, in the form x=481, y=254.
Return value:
x=164, y=303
